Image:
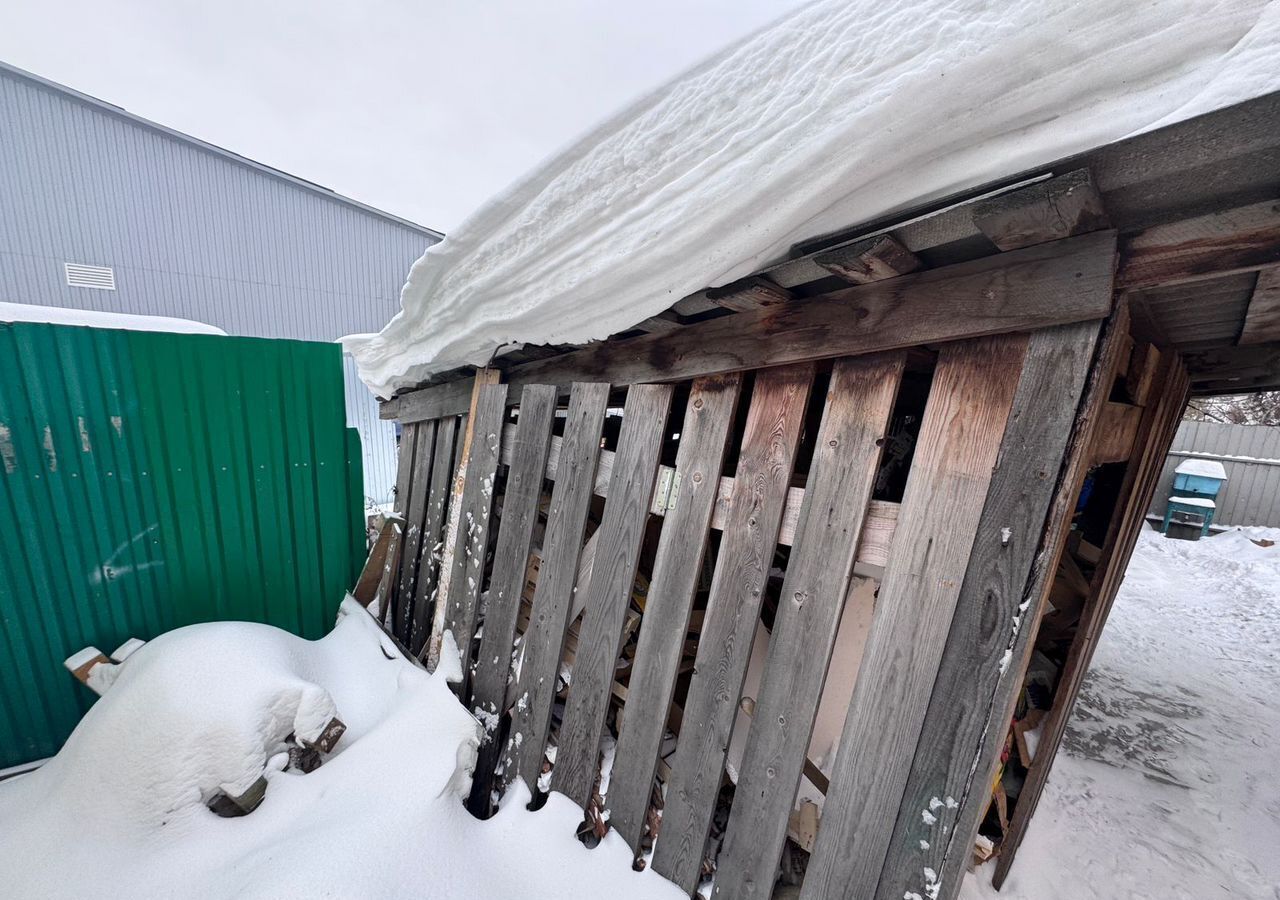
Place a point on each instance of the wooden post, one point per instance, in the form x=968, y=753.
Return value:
x=483, y=377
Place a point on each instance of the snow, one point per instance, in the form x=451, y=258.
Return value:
x=1165, y=786
x=837, y=114
x=57, y=315
x=209, y=707
x=1202, y=502
x=1205, y=468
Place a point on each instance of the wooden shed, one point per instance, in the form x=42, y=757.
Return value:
x=947, y=426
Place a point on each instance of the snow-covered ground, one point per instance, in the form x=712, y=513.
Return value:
x=121, y=810
x=1169, y=781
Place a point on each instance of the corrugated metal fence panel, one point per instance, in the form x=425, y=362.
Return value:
x=155, y=480
x=379, y=436
x=1252, y=492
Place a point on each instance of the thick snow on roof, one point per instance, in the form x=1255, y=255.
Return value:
x=1205, y=468
x=836, y=114
x=57, y=315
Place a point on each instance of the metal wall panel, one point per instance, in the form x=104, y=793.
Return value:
x=1252, y=493
x=379, y=437
x=154, y=480
x=189, y=229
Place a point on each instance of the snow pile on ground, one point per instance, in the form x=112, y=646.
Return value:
x=121, y=809
x=837, y=114
x=1166, y=786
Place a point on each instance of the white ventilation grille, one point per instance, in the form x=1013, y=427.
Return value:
x=102, y=278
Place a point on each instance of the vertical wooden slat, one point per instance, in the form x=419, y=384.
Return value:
x=665, y=625
x=846, y=453
x=510, y=561
x=1155, y=434
x=471, y=534
x=432, y=531
x=453, y=512
x=613, y=575
x=543, y=643
x=404, y=488
x=419, y=488
x=1042, y=463
x=960, y=436
x=765, y=464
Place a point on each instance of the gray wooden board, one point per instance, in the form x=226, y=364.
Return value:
x=404, y=490
x=506, y=584
x=433, y=531
x=966, y=714
x=473, y=521
x=1049, y=284
x=613, y=575
x=760, y=486
x=410, y=557
x=543, y=642
x=841, y=476
x=1045, y=211
x=665, y=624
x=960, y=436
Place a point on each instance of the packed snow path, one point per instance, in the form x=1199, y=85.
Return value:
x=1166, y=785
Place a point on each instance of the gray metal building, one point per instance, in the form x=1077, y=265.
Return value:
x=1251, y=456
x=101, y=209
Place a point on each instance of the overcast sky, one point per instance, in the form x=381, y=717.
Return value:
x=421, y=108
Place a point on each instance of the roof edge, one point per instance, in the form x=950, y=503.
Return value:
x=121, y=113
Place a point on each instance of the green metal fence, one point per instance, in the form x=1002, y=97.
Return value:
x=155, y=480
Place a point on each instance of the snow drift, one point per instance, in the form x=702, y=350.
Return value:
x=122, y=807
x=838, y=113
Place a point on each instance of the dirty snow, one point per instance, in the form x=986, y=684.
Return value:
x=122, y=806
x=1166, y=786
x=837, y=114
x=58, y=315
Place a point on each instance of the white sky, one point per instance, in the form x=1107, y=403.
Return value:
x=423, y=109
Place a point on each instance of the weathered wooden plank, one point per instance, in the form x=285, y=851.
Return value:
x=1262, y=321
x=415, y=515
x=816, y=583
x=1155, y=435
x=1049, y=284
x=404, y=487
x=374, y=571
x=1037, y=287
x=433, y=531
x=462, y=449
x=472, y=532
x=1117, y=433
x=1042, y=462
x=543, y=642
x=613, y=575
x=506, y=585
x=1046, y=211
x=748, y=294
x=865, y=262
x=753, y=513
x=1232, y=240
x=877, y=532
x=665, y=625
x=449, y=399
x=960, y=437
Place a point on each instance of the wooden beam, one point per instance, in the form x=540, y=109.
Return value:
x=960, y=439
x=1037, y=287
x=1262, y=321
x=1042, y=463
x=449, y=399
x=1232, y=240
x=846, y=453
x=1046, y=211
x=748, y=294
x=866, y=262
x=1155, y=435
